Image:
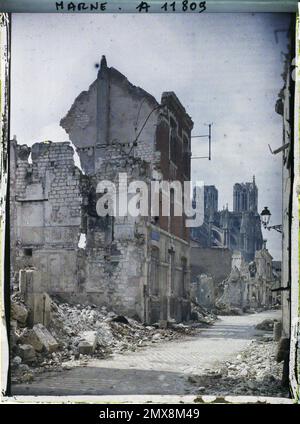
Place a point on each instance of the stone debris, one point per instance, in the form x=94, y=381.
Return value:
x=16, y=361
x=47, y=341
x=247, y=288
x=88, y=345
x=21, y=372
x=19, y=312
x=229, y=302
x=39, y=338
x=201, y=314
x=79, y=332
x=222, y=309
x=29, y=337
x=266, y=325
x=253, y=372
x=121, y=319
x=26, y=352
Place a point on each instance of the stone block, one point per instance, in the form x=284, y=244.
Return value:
x=19, y=312
x=40, y=308
x=88, y=343
x=26, y=352
x=29, y=337
x=44, y=339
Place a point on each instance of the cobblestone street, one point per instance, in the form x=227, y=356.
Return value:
x=164, y=368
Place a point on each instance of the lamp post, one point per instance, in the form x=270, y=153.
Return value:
x=265, y=217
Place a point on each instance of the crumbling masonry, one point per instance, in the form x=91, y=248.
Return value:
x=136, y=266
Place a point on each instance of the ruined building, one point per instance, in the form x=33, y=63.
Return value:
x=237, y=230
x=225, y=280
x=137, y=266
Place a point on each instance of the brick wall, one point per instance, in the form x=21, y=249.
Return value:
x=46, y=212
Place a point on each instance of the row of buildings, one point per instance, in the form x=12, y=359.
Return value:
x=231, y=265
x=139, y=266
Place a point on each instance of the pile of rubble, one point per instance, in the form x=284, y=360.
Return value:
x=266, y=324
x=202, y=314
x=253, y=372
x=78, y=332
x=222, y=309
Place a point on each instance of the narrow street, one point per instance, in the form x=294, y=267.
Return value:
x=165, y=368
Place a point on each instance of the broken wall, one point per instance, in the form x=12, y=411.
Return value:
x=203, y=290
x=235, y=292
x=46, y=211
x=168, y=288
x=215, y=262
x=129, y=132
x=109, y=117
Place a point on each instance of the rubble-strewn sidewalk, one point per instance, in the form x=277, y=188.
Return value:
x=253, y=372
x=79, y=332
x=160, y=367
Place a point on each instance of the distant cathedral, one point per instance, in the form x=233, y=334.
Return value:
x=239, y=229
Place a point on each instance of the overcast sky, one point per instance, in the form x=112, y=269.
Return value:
x=225, y=69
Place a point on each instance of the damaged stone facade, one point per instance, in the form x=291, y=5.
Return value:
x=46, y=213
x=247, y=286
x=138, y=266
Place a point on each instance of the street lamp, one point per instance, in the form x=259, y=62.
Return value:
x=265, y=219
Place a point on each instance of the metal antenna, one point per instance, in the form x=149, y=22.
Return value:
x=209, y=143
